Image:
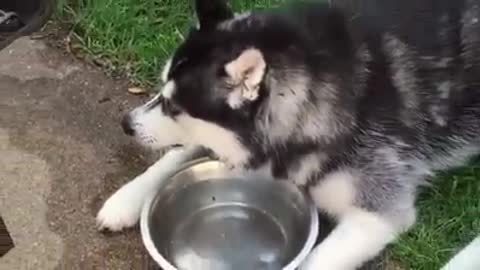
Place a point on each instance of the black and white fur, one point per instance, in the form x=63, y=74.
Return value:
x=361, y=111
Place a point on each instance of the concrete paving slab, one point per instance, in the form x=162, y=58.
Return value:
x=62, y=154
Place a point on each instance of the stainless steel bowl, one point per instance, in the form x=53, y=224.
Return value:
x=205, y=219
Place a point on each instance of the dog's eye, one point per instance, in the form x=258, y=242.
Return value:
x=170, y=108
x=176, y=66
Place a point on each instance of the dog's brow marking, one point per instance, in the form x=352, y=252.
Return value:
x=226, y=25
x=166, y=70
x=168, y=90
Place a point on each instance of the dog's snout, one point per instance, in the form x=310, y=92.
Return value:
x=127, y=125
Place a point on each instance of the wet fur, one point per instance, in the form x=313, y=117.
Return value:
x=360, y=111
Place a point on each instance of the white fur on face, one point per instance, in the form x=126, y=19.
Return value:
x=156, y=130
x=223, y=142
x=166, y=70
x=169, y=89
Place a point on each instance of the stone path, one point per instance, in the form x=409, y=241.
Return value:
x=61, y=154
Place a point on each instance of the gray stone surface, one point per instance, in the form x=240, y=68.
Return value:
x=61, y=154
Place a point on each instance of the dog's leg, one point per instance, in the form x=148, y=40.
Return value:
x=123, y=208
x=360, y=235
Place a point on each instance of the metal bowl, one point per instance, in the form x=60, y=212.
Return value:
x=206, y=219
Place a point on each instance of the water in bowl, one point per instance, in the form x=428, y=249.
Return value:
x=228, y=236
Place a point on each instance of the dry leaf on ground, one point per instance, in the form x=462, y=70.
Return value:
x=137, y=90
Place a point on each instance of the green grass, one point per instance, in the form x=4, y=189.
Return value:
x=136, y=36
x=449, y=218
x=131, y=35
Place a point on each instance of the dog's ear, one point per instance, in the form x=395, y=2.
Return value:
x=212, y=12
x=247, y=71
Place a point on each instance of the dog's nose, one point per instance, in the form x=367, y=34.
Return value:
x=127, y=125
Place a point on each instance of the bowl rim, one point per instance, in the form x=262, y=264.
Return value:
x=166, y=265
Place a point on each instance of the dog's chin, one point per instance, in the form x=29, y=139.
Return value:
x=152, y=142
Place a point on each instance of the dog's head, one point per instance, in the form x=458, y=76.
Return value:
x=219, y=80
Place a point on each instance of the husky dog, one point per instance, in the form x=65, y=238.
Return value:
x=359, y=111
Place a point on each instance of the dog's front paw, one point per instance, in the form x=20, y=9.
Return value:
x=121, y=210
